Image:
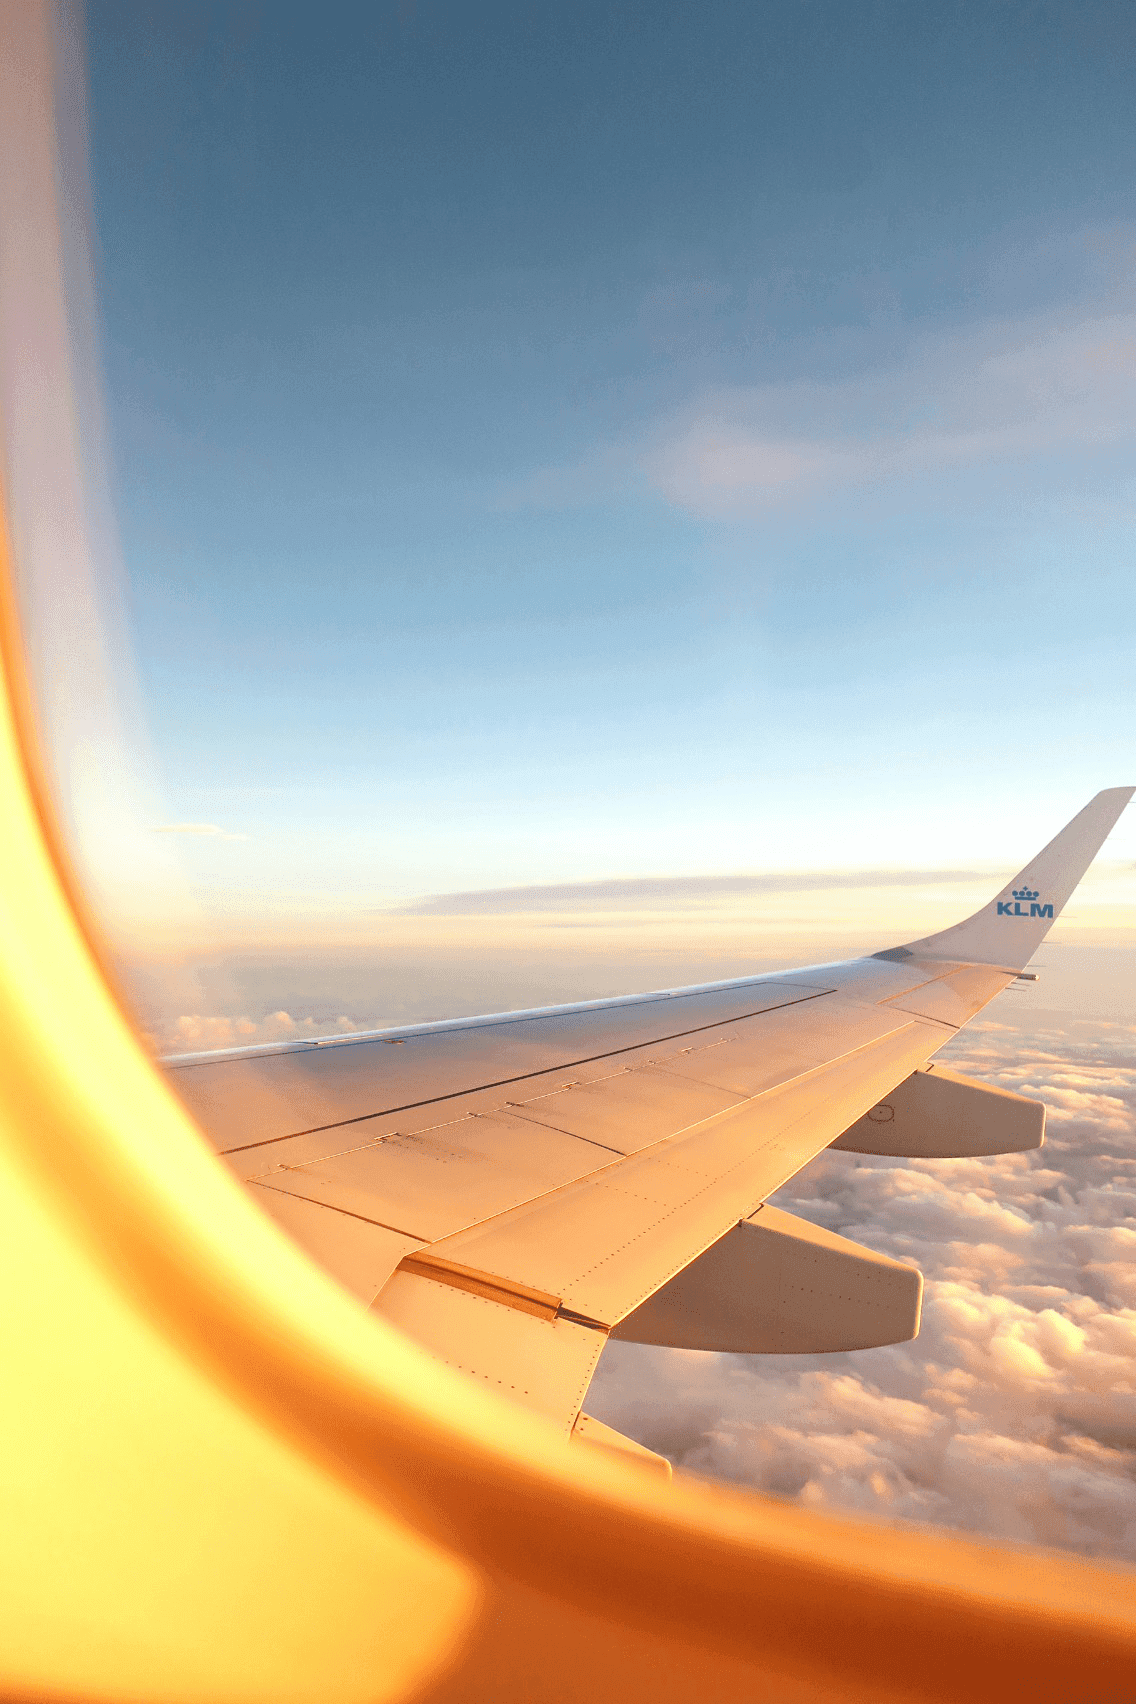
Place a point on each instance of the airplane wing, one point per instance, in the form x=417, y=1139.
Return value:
x=514, y=1190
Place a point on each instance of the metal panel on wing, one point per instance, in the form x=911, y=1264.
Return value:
x=432, y=1170
x=604, y=1244
x=957, y=995
x=261, y=1096
x=630, y=1108
x=749, y=1061
x=362, y=1255
x=430, y=1183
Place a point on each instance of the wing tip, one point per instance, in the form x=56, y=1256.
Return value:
x=1058, y=867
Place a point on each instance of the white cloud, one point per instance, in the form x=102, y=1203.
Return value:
x=194, y=1033
x=673, y=892
x=1014, y=1411
x=1006, y=392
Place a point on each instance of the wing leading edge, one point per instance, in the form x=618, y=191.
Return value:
x=512, y=1191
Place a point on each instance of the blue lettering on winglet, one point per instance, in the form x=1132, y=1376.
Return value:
x=1005, y=909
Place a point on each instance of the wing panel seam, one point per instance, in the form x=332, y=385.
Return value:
x=380, y=1224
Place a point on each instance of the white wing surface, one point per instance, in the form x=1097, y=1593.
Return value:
x=512, y=1190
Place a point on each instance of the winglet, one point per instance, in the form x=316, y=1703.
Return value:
x=1009, y=930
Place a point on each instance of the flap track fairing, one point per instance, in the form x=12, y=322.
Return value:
x=936, y=1114
x=778, y=1285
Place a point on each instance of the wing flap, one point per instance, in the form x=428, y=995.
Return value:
x=936, y=1114
x=546, y=1364
x=776, y=1284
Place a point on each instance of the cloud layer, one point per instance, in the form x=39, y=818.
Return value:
x=636, y=893
x=1014, y=1412
x=194, y=1032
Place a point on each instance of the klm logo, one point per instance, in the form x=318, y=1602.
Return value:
x=1018, y=908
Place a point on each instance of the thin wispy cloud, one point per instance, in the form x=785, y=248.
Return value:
x=1010, y=393
x=672, y=892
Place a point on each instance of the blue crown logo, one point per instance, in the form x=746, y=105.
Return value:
x=1015, y=908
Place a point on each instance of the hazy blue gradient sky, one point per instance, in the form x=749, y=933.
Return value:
x=566, y=441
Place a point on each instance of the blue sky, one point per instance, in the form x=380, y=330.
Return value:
x=556, y=442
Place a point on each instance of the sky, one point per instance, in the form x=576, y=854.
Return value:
x=561, y=443
x=618, y=495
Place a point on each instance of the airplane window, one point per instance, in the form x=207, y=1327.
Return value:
x=518, y=506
